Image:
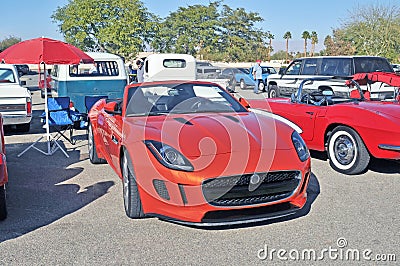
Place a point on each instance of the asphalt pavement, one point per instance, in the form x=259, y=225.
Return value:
x=66, y=211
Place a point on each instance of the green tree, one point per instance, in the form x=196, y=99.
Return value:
x=9, y=41
x=374, y=30
x=337, y=45
x=240, y=39
x=270, y=37
x=305, y=35
x=190, y=30
x=287, y=36
x=314, y=41
x=123, y=27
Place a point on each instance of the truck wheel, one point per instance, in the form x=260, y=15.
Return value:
x=273, y=91
x=242, y=84
x=346, y=151
x=3, y=206
x=261, y=87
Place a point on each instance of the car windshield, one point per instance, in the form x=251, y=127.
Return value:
x=179, y=98
x=268, y=70
x=6, y=76
x=244, y=70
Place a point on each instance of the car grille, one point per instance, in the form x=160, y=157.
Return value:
x=243, y=190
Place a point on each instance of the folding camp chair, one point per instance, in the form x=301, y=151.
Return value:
x=89, y=102
x=61, y=118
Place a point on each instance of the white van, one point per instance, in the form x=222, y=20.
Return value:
x=159, y=67
x=107, y=76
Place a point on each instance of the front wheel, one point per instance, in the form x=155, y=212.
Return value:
x=132, y=202
x=242, y=84
x=347, y=152
x=261, y=86
x=93, y=156
x=3, y=206
x=273, y=91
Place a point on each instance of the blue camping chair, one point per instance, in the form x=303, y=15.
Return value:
x=61, y=117
x=89, y=102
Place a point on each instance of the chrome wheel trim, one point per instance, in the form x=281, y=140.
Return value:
x=90, y=142
x=125, y=181
x=343, y=150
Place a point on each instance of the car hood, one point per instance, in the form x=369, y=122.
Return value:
x=211, y=134
x=387, y=108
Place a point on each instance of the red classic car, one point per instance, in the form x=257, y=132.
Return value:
x=3, y=174
x=351, y=130
x=190, y=152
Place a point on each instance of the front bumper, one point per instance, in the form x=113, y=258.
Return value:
x=389, y=147
x=188, y=205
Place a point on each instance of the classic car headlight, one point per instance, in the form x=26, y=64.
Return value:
x=168, y=156
x=300, y=146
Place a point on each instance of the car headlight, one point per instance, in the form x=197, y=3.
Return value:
x=300, y=146
x=168, y=156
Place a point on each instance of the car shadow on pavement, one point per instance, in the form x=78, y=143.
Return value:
x=376, y=165
x=38, y=193
x=313, y=191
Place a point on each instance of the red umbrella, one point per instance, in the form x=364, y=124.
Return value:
x=44, y=51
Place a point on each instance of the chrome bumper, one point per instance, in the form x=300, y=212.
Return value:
x=389, y=147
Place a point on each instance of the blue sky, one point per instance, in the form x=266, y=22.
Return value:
x=33, y=19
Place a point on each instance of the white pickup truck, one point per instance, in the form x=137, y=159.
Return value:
x=15, y=100
x=159, y=67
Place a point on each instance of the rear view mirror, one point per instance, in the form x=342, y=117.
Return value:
x=244, y=102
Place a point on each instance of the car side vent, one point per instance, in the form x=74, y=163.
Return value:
x=183, y=121
x=234, y=119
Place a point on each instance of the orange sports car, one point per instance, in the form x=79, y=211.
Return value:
x=189, y=152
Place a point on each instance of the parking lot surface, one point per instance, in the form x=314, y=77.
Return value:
x=68, y=211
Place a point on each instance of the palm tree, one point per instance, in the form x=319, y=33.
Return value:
x=314, y=40
x=305, y=35
x=287, y=36
x=270, y=36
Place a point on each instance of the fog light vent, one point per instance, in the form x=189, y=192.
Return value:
x=161, y=188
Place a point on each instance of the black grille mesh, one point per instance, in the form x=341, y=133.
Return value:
x=237, y=190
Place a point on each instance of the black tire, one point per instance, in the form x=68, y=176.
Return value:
x=273, y=91
x=23, y=127
x=93, y=156
x=261, y=87
x=347, y=152
x=3, y=205
x=242, y=84
x=132, y=202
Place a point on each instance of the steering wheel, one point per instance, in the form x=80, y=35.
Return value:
x=308, y=98
x=198, y=102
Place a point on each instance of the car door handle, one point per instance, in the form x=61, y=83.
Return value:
x=310, y=113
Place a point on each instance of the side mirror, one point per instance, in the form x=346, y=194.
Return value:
x=244, y=102
x=281, y=71
x=112, y=108
x=23, y=83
